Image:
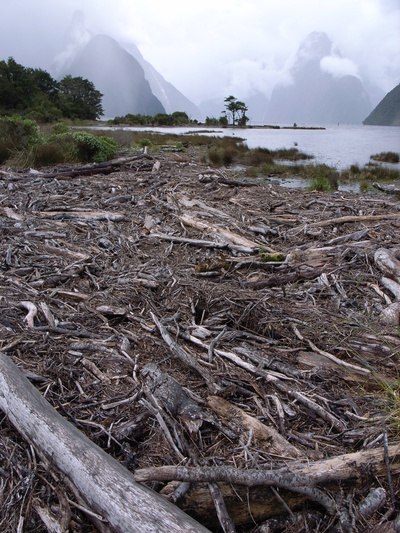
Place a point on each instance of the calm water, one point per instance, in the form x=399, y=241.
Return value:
x=336, y=146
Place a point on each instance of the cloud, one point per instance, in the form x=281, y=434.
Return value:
x=207, y=48
x=338, y=66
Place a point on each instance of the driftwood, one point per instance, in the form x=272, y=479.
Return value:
x=350, y=466
x=226, y=235
x=266, y=437
x=247, y=493
x=389, y=189
x=103, y=483
x=96, y=168
x=289, y=348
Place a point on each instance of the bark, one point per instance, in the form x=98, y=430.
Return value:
x=266, y=437
x=251, y=497
x=104, y=484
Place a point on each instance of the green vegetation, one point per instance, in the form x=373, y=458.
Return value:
x=271, y=257
x=23, y=144
x=178, y=118
x=322, y=183
x=386, y=157
x=34, y=94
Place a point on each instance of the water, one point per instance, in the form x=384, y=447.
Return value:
x=336, y=146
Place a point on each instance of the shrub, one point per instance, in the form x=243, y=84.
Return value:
x=228, y=156
x=18, y=133
x=108, y=149
x=89, y=147
x=355, y=169
x=215, y=158
x=51, y=153
x=145, y=142
x=322, y=183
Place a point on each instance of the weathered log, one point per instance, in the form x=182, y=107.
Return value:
x=266, y=437
x=347, y=219
x=96, y=168
x=202, y=243
x=389, y=189
x=104, y=484
x=225, y=234
x=388, y=264
x=252, y=499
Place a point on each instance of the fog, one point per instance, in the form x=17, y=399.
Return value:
x=209, y=49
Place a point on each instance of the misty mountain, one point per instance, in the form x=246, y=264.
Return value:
x=169, y=96
x=117, y=75
x=387, y=112
x=325, y=88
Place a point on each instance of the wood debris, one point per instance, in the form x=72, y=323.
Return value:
x=234, y=347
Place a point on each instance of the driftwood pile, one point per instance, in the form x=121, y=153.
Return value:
x=184, y=350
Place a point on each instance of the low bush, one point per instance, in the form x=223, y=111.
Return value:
x=355, y=169
x=18, y=133
x=22, y=144
x=215, y=157
x=322, y=183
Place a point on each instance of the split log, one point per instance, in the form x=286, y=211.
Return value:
x=202, y=243
x=226, y=234
x=103, y=483
x=266, y=437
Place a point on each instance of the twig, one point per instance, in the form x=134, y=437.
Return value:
x=353, y=368
x=387, y=463
x=223, y=516
x=185, y=356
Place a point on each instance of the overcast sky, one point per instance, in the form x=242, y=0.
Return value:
x=211, y=48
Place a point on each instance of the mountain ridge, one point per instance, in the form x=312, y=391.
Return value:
x=117, y=75
x=387, y=112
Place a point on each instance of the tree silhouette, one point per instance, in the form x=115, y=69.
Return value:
x=237, y=110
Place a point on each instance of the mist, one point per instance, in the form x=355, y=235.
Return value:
x=211, y=49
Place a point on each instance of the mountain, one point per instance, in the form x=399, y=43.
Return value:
x=387, y=112
x=169, y=96
x=325, y=88
x=117, y=75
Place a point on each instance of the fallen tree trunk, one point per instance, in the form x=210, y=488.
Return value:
x=364, y=464
x=248, y=495
x=95, y=168
x=106, y=487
